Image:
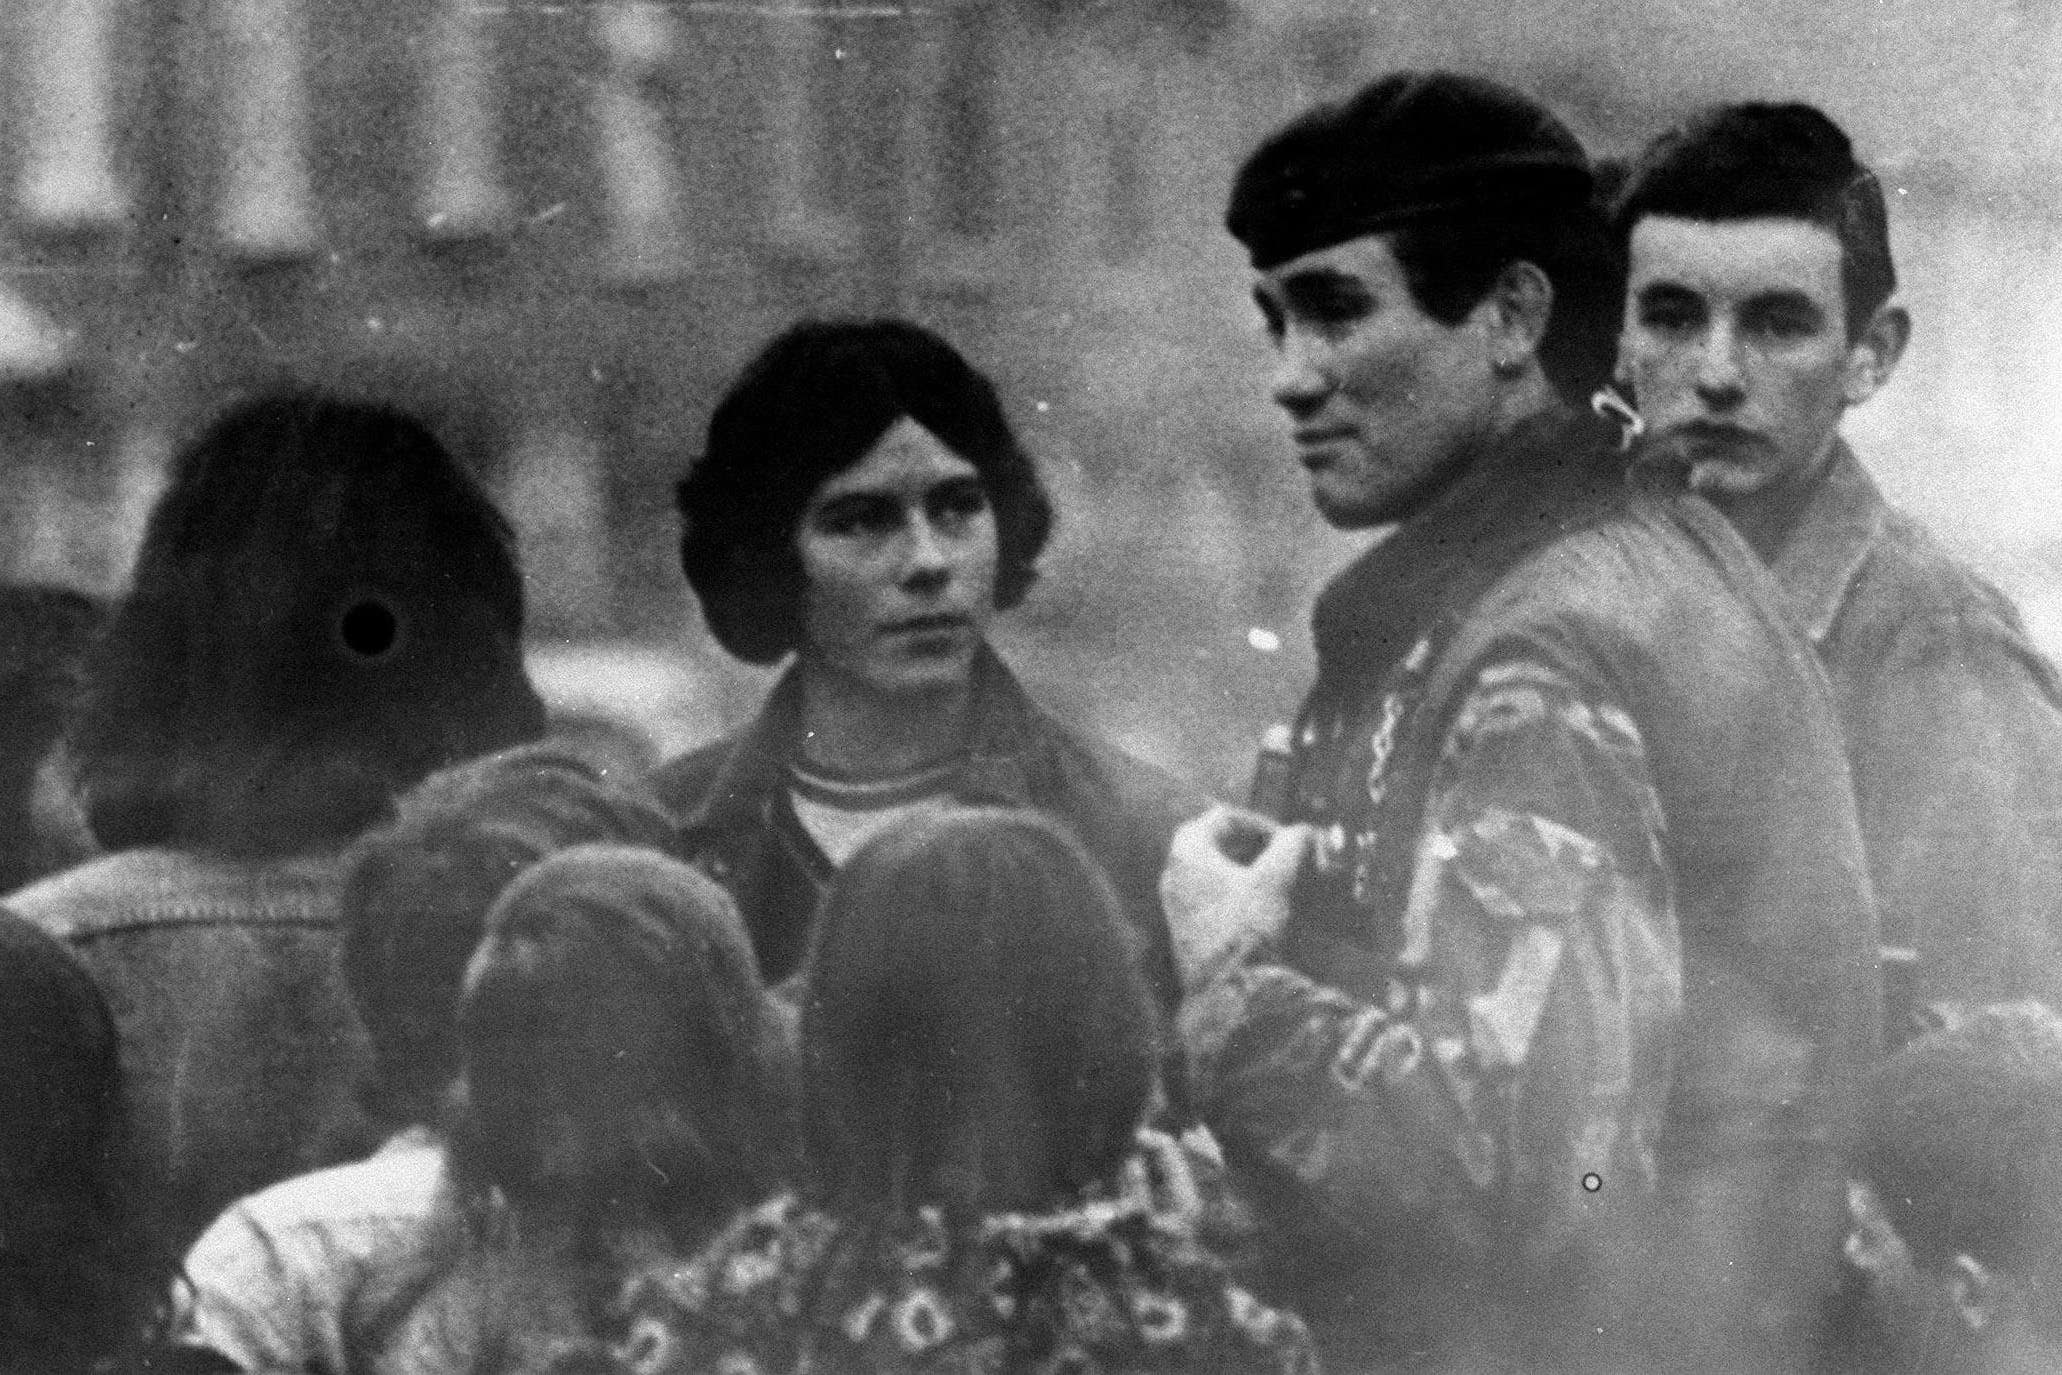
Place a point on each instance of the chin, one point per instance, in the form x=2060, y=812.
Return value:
x=1352, y=513
x=928, y=674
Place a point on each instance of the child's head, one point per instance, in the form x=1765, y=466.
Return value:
x=1957, y=1196
x=623, y=1064
x=977, y=1033
x=416, y=891
x=325, y=609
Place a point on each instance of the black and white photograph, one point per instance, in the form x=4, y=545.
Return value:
x=1030, y=687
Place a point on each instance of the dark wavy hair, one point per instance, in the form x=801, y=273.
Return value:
x=83, y=1276
x=326, y=607
x=811, y=405
x=46, y=634
x=623, y=1064
x=1756, y=160
x=977, y=1033
x=416, y=891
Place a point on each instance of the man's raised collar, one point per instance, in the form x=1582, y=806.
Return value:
x=1529, y=485
x=1840, y=521
x=757, y=765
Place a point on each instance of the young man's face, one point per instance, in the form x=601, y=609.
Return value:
x=899, y=556
x=1735, y=343
x=1382, y=398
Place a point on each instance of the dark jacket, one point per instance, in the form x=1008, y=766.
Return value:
x=240, y=1046
x=1568, y=765
x=736, y=822
x=1954, y=729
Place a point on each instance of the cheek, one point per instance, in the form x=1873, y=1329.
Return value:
x=1814, y=390
x=1375, y=376
x=836, y=601
x=984, y=555
x=1654, y=365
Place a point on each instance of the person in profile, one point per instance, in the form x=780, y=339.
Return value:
x=325, y=608
x=984, y=1191
x=1956, y=1202
x=864, y=505
x=1570, y=885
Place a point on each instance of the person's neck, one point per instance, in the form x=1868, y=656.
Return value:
x=850, y=729
x=1526, y=398
x=1767, y=515
x=1522, y=401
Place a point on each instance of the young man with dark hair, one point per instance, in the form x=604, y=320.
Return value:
x=1529, y=1075
x=1760, y=308
x=1956, y=1201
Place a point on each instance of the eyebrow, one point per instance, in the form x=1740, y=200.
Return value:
x=1314, y=280
x=1776, y=298
x=1668, y=291
x=1784, y=298
x=956, y=482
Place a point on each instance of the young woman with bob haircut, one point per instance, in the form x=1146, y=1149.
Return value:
x=980, y=1054
x=325, y=608
x=629, y=1086
x=864, y=505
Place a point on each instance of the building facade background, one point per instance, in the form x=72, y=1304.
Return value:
x=557, y=227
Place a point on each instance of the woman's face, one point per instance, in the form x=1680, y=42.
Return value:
x=899, y=554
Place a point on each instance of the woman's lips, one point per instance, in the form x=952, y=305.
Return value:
x=928, y=625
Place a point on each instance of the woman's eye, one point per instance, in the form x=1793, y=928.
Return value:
x=853, y=519
x=957, y=506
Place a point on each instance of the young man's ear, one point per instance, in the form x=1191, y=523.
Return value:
x=1515, y=314
x=1873, y=356
x=1978, y=1291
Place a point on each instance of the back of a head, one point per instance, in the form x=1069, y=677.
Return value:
x=1467, y=176
x=416, y=890
x=977, y=1032
x=77, y=1271
x=1753, y=161
x=46, y=633
x=325, y=608
x=623, y=1063
x=809, y=406
x=1961, y=1135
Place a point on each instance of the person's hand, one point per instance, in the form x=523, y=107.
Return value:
x=1227, y=882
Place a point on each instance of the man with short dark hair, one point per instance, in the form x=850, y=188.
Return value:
x=1760, y=308
x=1956, y=1201
x=1532, y=1031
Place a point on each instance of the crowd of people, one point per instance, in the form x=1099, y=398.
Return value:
x=1641, y=956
